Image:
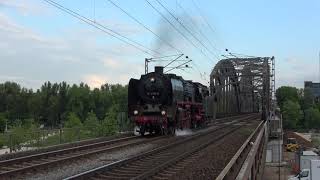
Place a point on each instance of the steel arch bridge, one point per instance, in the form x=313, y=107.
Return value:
x=243, y=85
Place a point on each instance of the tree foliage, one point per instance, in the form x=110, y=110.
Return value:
x=291, y=113
x=58, y=104
x=92, y=124
x=109, y=125
x=286, y=93
x=298, y=108
x=73, y=121
x=306, y=100
x=3, y=122
x=312, y=118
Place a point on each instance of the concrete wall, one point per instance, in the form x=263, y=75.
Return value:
x=274, y=150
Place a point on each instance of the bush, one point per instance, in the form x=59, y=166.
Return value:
x=312, y=118
x=91, y=125
x=73, y=121
x=19, y=135
x=292, y=113
x=28, y=124
x=3, y=140
x=3, y=122
x=109, y=124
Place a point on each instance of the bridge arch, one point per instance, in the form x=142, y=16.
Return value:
x=241, y=85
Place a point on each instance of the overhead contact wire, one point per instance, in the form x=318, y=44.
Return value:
x=185, y=28
x=141, y=24
x=174, y=27
x=101, y=27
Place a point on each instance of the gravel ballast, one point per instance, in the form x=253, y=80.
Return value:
x=209, y=162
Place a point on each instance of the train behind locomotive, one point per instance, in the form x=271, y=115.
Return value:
x=161, y=103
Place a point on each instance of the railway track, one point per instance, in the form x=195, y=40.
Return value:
x=17, y=166
x=151, y=163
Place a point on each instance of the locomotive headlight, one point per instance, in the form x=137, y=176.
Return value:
x=135, y=112
x=163, y=113
x=152, y=79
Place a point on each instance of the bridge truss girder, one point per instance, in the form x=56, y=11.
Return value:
x=242, y=85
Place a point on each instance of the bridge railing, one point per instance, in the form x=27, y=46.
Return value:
x=247, y=163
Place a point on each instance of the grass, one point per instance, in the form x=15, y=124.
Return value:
x=42, y=138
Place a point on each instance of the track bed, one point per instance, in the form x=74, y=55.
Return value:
x=163, y=162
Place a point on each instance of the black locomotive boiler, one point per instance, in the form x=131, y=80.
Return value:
x=161, y=103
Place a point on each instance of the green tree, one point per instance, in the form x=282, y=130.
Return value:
x=92, y=124
x=50, y=104
x=3, y=122
x=63, y=100
x=28, y=123
x=72, y=121
x=307, y=99
x=79, y=100
x=286, y=93
x=34, y=106
x=291, y=113
x=109, y=124
x=312, y=118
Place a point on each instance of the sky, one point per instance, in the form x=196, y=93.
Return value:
x=39, y=42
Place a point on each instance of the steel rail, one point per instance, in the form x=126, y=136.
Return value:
x=173, y=161
x=52, y=158
x=121, y=163
x=64, y=150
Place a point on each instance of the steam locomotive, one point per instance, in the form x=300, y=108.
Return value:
x=161, y=103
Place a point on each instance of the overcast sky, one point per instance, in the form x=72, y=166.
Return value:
x=39, y=42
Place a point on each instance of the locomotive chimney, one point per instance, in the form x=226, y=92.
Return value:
x=158, y=69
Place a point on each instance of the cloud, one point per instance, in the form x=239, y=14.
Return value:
x=111, y=63
x=23, y=7
x=122, y=28
x=10, y=78
x=293, y=71
x=87, y=55
x=21, y=80
x=34, y=58
x=94, y=80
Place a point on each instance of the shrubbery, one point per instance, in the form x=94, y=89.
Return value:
x=81, y=113
x=299, y=108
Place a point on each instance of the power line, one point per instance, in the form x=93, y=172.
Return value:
x=205, y=37
x=184, y=70
x=200, y=73
x=197, y=67
x=140, y=23
x=174, y=27
x=173, y=60
x=207, y=22
x=164, y=17
x=185, y=28
x=203, y=17
x=194, y=24
x=179, y=66
x=101, y=27
x=166, y=56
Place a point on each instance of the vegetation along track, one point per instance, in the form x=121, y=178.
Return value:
x=16, y=166
x=148, y=164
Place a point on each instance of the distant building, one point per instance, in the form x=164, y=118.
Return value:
x=314, y=88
